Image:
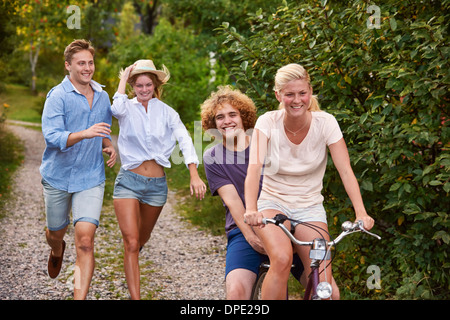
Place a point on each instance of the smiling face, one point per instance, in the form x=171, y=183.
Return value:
x=228, y=121
x=81, y=67
x=295, y=97
x=144, y=88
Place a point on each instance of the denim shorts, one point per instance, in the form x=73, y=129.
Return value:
x=308, y=214
x=86, y=206
x=130, y=185
x=240, y=254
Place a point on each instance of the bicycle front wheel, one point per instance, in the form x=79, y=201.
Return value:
x=256, y=291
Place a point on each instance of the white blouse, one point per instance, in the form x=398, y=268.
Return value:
x=150, y=135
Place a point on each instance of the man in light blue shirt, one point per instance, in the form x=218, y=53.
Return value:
x=76, y=126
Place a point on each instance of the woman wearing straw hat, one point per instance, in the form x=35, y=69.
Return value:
x=149, y=130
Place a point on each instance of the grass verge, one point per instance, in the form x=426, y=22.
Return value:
x=23, y=105
x=11, y=157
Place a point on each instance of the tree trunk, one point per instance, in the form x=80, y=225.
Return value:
x=33, y=63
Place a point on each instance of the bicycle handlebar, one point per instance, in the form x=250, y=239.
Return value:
x=348, y=227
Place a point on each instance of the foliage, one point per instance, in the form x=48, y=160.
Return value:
x=3, y=113
x=148, y=12
x=11, y=156
x=176, y=48
x=389, y=89
x=128, y=18
x=206, y=15
x=43, y=28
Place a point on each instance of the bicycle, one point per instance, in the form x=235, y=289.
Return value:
x=320, y=251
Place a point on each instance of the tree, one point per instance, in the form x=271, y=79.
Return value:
x=149, y=12
x=48, y=27
x=206, y=15
x=35, y=31
x=127, y=22
x=383, y=72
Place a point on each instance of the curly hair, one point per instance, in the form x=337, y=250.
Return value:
x=234, y=97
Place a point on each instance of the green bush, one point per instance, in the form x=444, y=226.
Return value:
x=388, y=86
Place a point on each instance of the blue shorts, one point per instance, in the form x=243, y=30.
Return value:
x=86, y=206
x=241, y=255
x=130, y=185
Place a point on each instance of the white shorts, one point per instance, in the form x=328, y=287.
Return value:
x=308, y=214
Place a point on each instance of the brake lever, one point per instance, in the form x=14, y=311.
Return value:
x=280, y=218
x=360, y=224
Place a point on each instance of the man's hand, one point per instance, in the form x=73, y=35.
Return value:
x=256, y=243
x=101, y=129
x=97, y=130
x=109, y=150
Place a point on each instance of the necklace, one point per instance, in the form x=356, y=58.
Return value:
x=295, y=133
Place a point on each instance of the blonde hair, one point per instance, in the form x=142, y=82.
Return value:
x=291, y=72
x=77, y=46
x=236, y=99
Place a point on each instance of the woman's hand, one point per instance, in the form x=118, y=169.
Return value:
x=254, y=218
x=198, y=186
x=367, y=220
x=125, y=74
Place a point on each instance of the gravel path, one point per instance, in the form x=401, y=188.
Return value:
x=179, y=262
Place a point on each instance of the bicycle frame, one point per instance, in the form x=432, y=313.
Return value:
x=313, y=282
x=318, y=253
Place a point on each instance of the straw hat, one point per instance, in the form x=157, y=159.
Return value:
x=147, y=66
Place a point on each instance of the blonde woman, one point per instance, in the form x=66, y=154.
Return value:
x=149, y=130
x=293, y=143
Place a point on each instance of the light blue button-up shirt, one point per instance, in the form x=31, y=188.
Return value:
x=66, y=110
x=150, y=135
